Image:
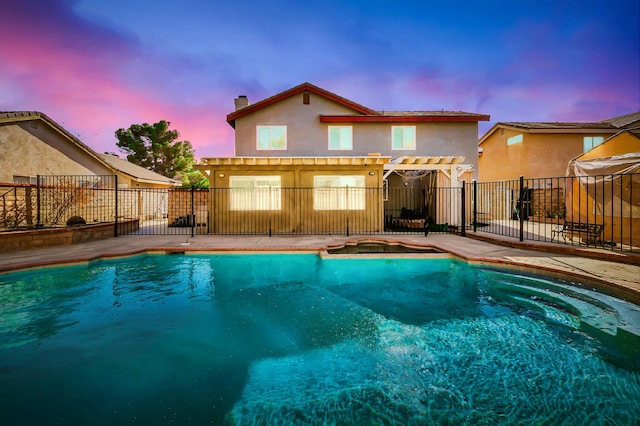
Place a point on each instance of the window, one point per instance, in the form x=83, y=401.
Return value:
x=403, y=137
x=340, y=137
x=33, y=180
x=21, y=179
x=514, y=140
x=255, y=192
x=591, y=142
x=272, y=137
x=338, y=193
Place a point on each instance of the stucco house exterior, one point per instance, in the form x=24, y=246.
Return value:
x=624, y=142
x=41, y=163
x=542, y=149
x=308, y=138
x=605, y=188
x=32, y=144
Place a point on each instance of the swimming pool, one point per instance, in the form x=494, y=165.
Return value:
x=285, y=338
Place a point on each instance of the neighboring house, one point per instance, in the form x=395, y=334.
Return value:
x=74, y=179
x=309, y=138
x=624, y=142
x=605, y=188
x=32, y=144
x=538, y=149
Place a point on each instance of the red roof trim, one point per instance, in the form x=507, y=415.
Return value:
x=304, y=87
x=399, y=119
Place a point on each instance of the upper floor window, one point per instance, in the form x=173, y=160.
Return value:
x=255, y=192
x=272, y=137
x=591, y=142
x=340, y=137
x=403, y=137
x=514, y=139
x=339, y=193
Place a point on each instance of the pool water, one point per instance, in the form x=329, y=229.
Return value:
x=300, y=339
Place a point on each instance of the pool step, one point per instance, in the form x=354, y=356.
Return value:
x=595, y=311
x=557, y=307
x=613, y=322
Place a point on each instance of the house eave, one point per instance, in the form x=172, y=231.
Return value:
x=400, y=119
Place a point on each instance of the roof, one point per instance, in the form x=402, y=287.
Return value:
x=361, y=113
x=611, y=125
x=624, y=121
x=406, y=117
x=532, y=125
x=109, y=161
x=139, y=173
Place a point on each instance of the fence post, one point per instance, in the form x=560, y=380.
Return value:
x=193, y=214
x=425, y=216
x=475, y=204
x=115, y=227
x=38, y=224
x=521, y=208
x=270, y=212
x=463, y=211
x=346, y=212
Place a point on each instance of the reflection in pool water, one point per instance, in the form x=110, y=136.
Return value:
x=279, y=339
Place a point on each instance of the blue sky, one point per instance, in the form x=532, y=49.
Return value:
x=97, y=66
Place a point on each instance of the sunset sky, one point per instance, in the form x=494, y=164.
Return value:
x=96, y=66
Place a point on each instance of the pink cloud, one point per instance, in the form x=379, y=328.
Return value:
x=77, y=74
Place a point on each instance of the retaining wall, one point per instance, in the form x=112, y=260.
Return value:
x=20, y=240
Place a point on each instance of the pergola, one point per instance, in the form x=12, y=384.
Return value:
x=453, y=167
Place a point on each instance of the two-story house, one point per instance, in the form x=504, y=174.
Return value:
x=342, y=161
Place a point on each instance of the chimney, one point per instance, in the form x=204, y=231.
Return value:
x=241, y=102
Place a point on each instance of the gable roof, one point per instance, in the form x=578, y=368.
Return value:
x=111, y=162
x=304, y=87
x=137, y=172
x=362, y=113
x=611, y=125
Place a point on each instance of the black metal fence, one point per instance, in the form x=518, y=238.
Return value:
x=292, y=211
x=55, y=201
x=596, y=211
